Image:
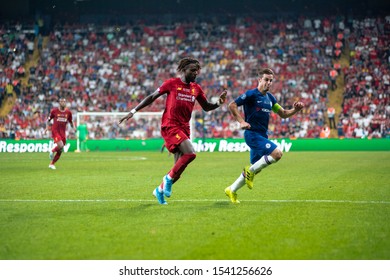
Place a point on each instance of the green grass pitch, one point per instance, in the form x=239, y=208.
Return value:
x=99, y=206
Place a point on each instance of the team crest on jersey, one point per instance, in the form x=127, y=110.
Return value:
x=268, y=145
x=193, y=91
x=179, y=88
x=243, y=96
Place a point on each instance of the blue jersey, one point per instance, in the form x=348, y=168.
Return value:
x=257, y=109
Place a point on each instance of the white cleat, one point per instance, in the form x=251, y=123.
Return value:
x=51, y=155
x=51, y=166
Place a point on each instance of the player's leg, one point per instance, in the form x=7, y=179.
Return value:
x=177, y=142
x=266, y=153
x=166, y=184
x=266, y=160
x=173, y=138
x=56, y=157
x=262, y=154
x=56, y=139
x=59, y=144
x=58, y=150
x=231, y=191
x=184, y=156
x=54, y=154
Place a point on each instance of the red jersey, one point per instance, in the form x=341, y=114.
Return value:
x=180, y=101
x=61, y=118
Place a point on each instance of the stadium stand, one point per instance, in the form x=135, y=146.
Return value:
x=110, y=68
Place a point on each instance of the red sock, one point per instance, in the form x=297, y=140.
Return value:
x=181, y=165
x=56, y=157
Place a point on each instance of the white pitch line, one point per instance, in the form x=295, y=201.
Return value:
x=201, y=200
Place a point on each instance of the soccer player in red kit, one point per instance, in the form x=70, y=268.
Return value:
x=61, y=117
x=175, y=128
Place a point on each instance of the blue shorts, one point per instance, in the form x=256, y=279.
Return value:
x=259, y=145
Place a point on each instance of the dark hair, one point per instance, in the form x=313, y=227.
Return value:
x=263, y=71
x=184, y=62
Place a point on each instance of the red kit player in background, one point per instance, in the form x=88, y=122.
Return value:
x=175, y=128
x=61, y=116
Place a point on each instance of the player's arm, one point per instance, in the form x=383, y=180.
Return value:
x=207, y=106
x=70, y=120
x=237, y=115
x=48, y=123
x=283, y=113
x=71, y=124
x=145, y=102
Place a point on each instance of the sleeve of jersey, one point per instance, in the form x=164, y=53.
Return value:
x=242, y=98
x=165, y=87
x=201, y=95
x=275, y=107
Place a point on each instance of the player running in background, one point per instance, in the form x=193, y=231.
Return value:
x=258, y=104
x=175, y=128
x=61, y=117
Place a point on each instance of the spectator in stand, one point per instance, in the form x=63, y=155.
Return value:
x=333, y=76
x=340, y=132
x=98, y=72
x=325, y=132
x=331, y=117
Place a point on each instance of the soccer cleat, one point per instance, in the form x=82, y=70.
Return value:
x=51, y=155
x=159, y=196
x=232, y=196
x=52, y=166
x=249, y=176
x=167, y=186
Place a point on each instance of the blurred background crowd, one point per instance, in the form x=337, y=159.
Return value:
x=336, y=63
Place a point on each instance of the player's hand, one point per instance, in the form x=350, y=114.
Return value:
x=222, y=96
x=298, y=105
x=245, y=125
x=125, y=118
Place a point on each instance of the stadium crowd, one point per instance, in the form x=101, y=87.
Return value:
x=111, y=68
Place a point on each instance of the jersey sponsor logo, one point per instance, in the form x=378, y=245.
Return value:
x=62, y=119
x=263, y=110
x=185, y=97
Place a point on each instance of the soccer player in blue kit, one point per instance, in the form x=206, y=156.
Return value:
x=258, y=104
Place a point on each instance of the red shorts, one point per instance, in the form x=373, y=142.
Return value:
x=174, y=136
x=58, y=137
